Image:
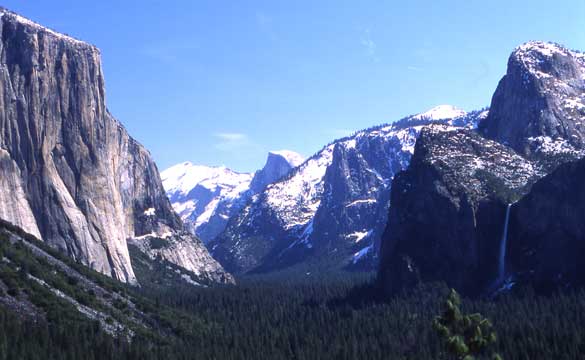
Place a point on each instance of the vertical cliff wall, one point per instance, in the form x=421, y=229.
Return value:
x=449, y=207
x=71, y=174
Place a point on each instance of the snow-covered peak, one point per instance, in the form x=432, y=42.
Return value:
x=206, y=197
x=182, y=178
x=440, y=112
x=305, y=187
x=335, y=202
x=547, y=49
x=203, y=194
x=38, y=27
x=293, y=158
x=538, y=57
x=278, y=164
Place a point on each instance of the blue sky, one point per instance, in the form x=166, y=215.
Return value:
x=221, y=82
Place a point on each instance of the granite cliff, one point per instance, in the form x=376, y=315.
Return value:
x=449, y=219
x=71, y=174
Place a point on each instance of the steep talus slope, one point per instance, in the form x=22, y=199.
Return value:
x=449, y=208
x=35, y=280
x=71, y=173
x=207, y=197
x=44, y=287
x=331, y=209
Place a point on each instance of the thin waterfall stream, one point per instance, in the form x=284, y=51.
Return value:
x=503, y=244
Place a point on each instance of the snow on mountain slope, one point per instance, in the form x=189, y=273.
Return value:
x=318, y=209
x=305, y=189
x=196, y=191
x=278, y=164
x=192, y=188
x=306, y=186
x=206, y=197
x=440, y=112
x=184, y=177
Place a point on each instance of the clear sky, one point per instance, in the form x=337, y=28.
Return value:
x=221, y=82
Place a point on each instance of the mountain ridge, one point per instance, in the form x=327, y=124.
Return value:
x=206, y=197
x=277, y=224
x=451, y=205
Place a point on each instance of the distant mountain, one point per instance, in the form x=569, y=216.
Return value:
x=196, y=192
x=440, y=112
x=207, y=197
x=278, y=164
x=453, y=216
x=332, y=209
x=71, y=174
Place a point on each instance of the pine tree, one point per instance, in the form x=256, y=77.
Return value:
x=467, y=337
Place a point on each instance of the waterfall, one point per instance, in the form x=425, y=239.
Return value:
x=502, y=259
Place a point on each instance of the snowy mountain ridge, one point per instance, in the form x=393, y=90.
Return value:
x=331, y=199
x=440, y=112
x=183, y=181
x=206, y=197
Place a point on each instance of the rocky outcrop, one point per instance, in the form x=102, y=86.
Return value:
x=448, y=210
x=278, y=164
x=538, y=108
x=546, y=241
x=331, y=210
x=184, y=249
x=71, y=174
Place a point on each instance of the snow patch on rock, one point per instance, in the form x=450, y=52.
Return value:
x=360, y=254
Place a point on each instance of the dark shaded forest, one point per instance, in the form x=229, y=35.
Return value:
x=283, y=316
x=332, y=319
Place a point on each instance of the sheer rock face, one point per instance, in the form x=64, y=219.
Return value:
x=451, y=204
x=539, y=105
x=546, y=242
x=278, y=164
x=71, y=174
x=448, y=208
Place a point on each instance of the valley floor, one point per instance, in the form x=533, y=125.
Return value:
x=336, y=318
